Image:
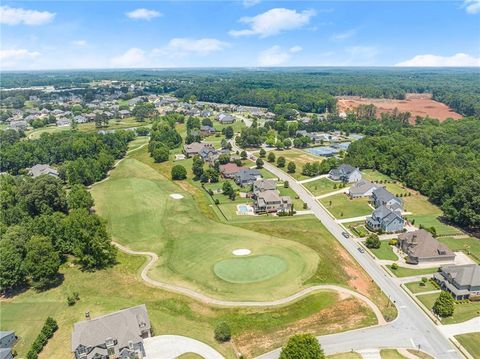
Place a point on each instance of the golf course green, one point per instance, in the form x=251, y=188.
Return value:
x=250, y=269
x=141, y=215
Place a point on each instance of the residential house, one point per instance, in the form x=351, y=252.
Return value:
x=209, y=154
x=462, y=281
x=116, y=335
x=194, y=148
x=80, y=119
x=263, y=185
x=207, y=130
x=386, y=220
x=345, y=173
x=362, y=188
x=123, y=113
x=382, y=197
x=247, y=176
x=224, y=118
x=7, y=340
x=421, y=247
x=19, y=125
x=270, y=201
x=39, y=170
x=63, y=122
x=229, y=170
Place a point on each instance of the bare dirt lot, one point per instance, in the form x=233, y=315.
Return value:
x=417, y=104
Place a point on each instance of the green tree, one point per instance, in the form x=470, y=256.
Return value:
x=229, y=132
x=304, y=346
x=12, y=273
x=227, y=188
x=43, y=194
x=222, y=332
x=79, y=197
x=291, y=168
x=159, y=151
x=259, y=163
x=271, y=157
x=262, y=153
x=373, y=241
x=179, y=172
x=41, y=262
x=444, y=305
x=281, y=161
x=243, y=155
x=197, y=167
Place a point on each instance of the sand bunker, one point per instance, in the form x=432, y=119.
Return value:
x=176, y=196
x=241, y=252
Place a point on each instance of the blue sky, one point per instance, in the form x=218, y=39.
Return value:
x=247, y=33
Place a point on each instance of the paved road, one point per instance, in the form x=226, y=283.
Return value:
x=411, y=329
x=172, y=346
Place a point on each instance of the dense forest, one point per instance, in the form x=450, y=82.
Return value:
x=307, y=89
x=82, y=157
x=442, y=161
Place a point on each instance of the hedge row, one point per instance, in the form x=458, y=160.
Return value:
x=49, y=328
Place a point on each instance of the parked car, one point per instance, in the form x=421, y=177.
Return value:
x=361, y=250
x=345, y=234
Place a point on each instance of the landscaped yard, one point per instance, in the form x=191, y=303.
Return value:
x=321, y=186
x=341, y=206
x=471, y=343
x=188, y=243
x=384, y=252
x=120, y=287
x=358, y=228
x=415, y=287
x=409, y=272
x=462, y=312
x=470, y=246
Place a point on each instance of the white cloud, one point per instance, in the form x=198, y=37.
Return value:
x=276, y=56
x=250, y=3
x=143, y=14
x=10, y=58
x=16, y=16
x=79, y=43
x=133, y=57
x=457, y=60
x=344, y=35
x=273, y=22
x=178, y=47
x=472, y=6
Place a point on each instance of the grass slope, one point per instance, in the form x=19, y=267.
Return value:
x=341, y=206
x=384, y=252
x=471, y=343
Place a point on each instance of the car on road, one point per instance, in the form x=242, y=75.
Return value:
x=345, y=234
x=361, y=250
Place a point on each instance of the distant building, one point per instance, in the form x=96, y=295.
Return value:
x=247, y=176
x=194, y=148
x=382, y=197
x=7, y=341
x=463, y=281
x=18, y=125
x=123, y=113
x=345, y=173
x=207, y=130
x=224, y=118
x=39, y=170
x=116, y=335
x=64, y=122
x=421, y=247
x=362, y=188
x=80, y=119
x=385, y=220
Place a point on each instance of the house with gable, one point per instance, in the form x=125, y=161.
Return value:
x=421, y=247
x=345, y=173
x=462, y=281
x=386, y=220
x=382, y=197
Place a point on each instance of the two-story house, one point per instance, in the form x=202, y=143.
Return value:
x=462, y=281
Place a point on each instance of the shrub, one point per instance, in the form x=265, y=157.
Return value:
x=392, y=242
x=394, y=266
x=286, y=184
x=71, y=301
x=179, y=172
x=222, y=332
x=444, y=305
x=48, y=329
x=304, y=346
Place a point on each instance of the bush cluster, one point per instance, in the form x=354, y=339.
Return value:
x=49, y=328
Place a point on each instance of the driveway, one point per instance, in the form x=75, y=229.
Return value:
x=172, y=346
x=470, y=326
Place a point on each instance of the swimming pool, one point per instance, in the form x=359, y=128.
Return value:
x=242, y=208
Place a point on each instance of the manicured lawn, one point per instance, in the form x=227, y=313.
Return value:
x=297, y=202
x=470, y=246
x=393, y=186
x=471, y=343
x=415, y=287
x=216, y=140
x=390, y=354
x=384, y=252
x=190, y=356
x=431, y=220
x=119, y=287
x=462, y=312
x=341, y=206
x=137, y=142
x=267, y=174
x=358, y=229
x=408, y=272
x=297, y=156
x=345, y=356
x=188, y=243
x=321, y=186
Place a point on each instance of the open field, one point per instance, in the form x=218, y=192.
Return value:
x=341, y=206
x=409, y=272
x=384, y=252
x=470, y=246
x=416, y=288
x=189, y=245
x=119, y=287
x=462, y=312
x=297, y=156
x=321, y=186
x=470, y=342
x=416, y=106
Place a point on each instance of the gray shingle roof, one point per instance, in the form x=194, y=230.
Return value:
x=464, y=275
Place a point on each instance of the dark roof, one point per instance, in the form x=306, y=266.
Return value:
x=422, y=244
x=464, y=275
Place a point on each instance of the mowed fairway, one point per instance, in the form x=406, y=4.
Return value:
x=141, y=215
